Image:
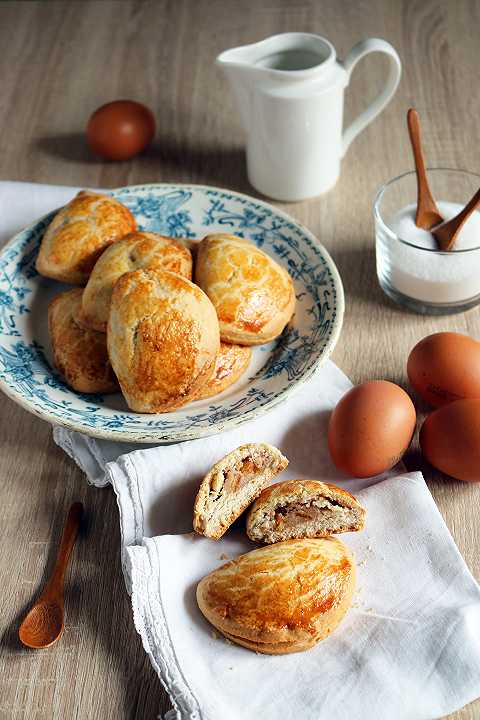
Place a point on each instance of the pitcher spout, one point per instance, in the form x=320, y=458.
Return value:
x=236, y=56
x=239, y=68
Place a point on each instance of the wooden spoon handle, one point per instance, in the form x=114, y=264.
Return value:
x=446, y=234
x=54, y=586
x=427, y=215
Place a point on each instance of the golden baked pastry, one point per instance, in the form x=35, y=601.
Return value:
x=232, y=484
x=280, y=598
x=79, y=233
x=232, y=361
x=80, y=355
x=136, y=250
x=254, y=297
x=303, y=509
x=162, y=339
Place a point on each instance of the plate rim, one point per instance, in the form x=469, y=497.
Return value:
x=141, y=437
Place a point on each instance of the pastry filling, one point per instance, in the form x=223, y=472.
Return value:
x=297, y=513
x=236, y=486
x=241, y=474
x=311, y=517
x=232, y=479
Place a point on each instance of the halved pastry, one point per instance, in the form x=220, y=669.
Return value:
x=232, y=361
x=79, y=233
x=162, y=339
x=135, y=251
x=254, y=297
x=303, y=509
x=232, y=484
x=80, y=355
x=280, y=598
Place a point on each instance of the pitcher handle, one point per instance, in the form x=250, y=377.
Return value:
x=383, y=98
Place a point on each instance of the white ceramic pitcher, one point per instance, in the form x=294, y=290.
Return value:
x=289, y=90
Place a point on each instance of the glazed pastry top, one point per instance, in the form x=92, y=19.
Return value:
x=136, y=250
x=162, y=337
x=80, y=355
x=280, y=592
x=79, y=233
x=253, y=295
x=231, y=363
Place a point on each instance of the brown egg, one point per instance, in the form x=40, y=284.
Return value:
x=445, y=367
x=371, y=428
x=121, y=129
x=450, y=439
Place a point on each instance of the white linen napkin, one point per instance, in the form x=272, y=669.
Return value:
x=408, y=649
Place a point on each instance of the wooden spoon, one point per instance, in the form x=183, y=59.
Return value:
x=446, y=233
x=43, y=624
x=428, y=214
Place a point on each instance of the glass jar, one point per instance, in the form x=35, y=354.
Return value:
x=425, y=279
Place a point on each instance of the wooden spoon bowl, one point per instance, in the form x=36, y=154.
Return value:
x=43, y=625
x=447, y=233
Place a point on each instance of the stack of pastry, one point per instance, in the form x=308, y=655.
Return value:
x=141, y=323
x=291, y=593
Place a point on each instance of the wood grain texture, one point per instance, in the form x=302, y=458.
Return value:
x=59, y=61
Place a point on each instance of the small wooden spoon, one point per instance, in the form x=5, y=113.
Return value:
x=44, y=624
x=446, y=233
x=428, y=214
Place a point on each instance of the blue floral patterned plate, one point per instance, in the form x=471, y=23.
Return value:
x=27, y=374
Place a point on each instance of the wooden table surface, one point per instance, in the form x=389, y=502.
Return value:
x=58, y=62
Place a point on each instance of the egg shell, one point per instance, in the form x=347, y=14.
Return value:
x=445, y=367
x=450, y=439
x=120, y=129
x=371, y=428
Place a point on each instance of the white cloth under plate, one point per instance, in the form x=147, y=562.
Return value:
x=408, y=649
